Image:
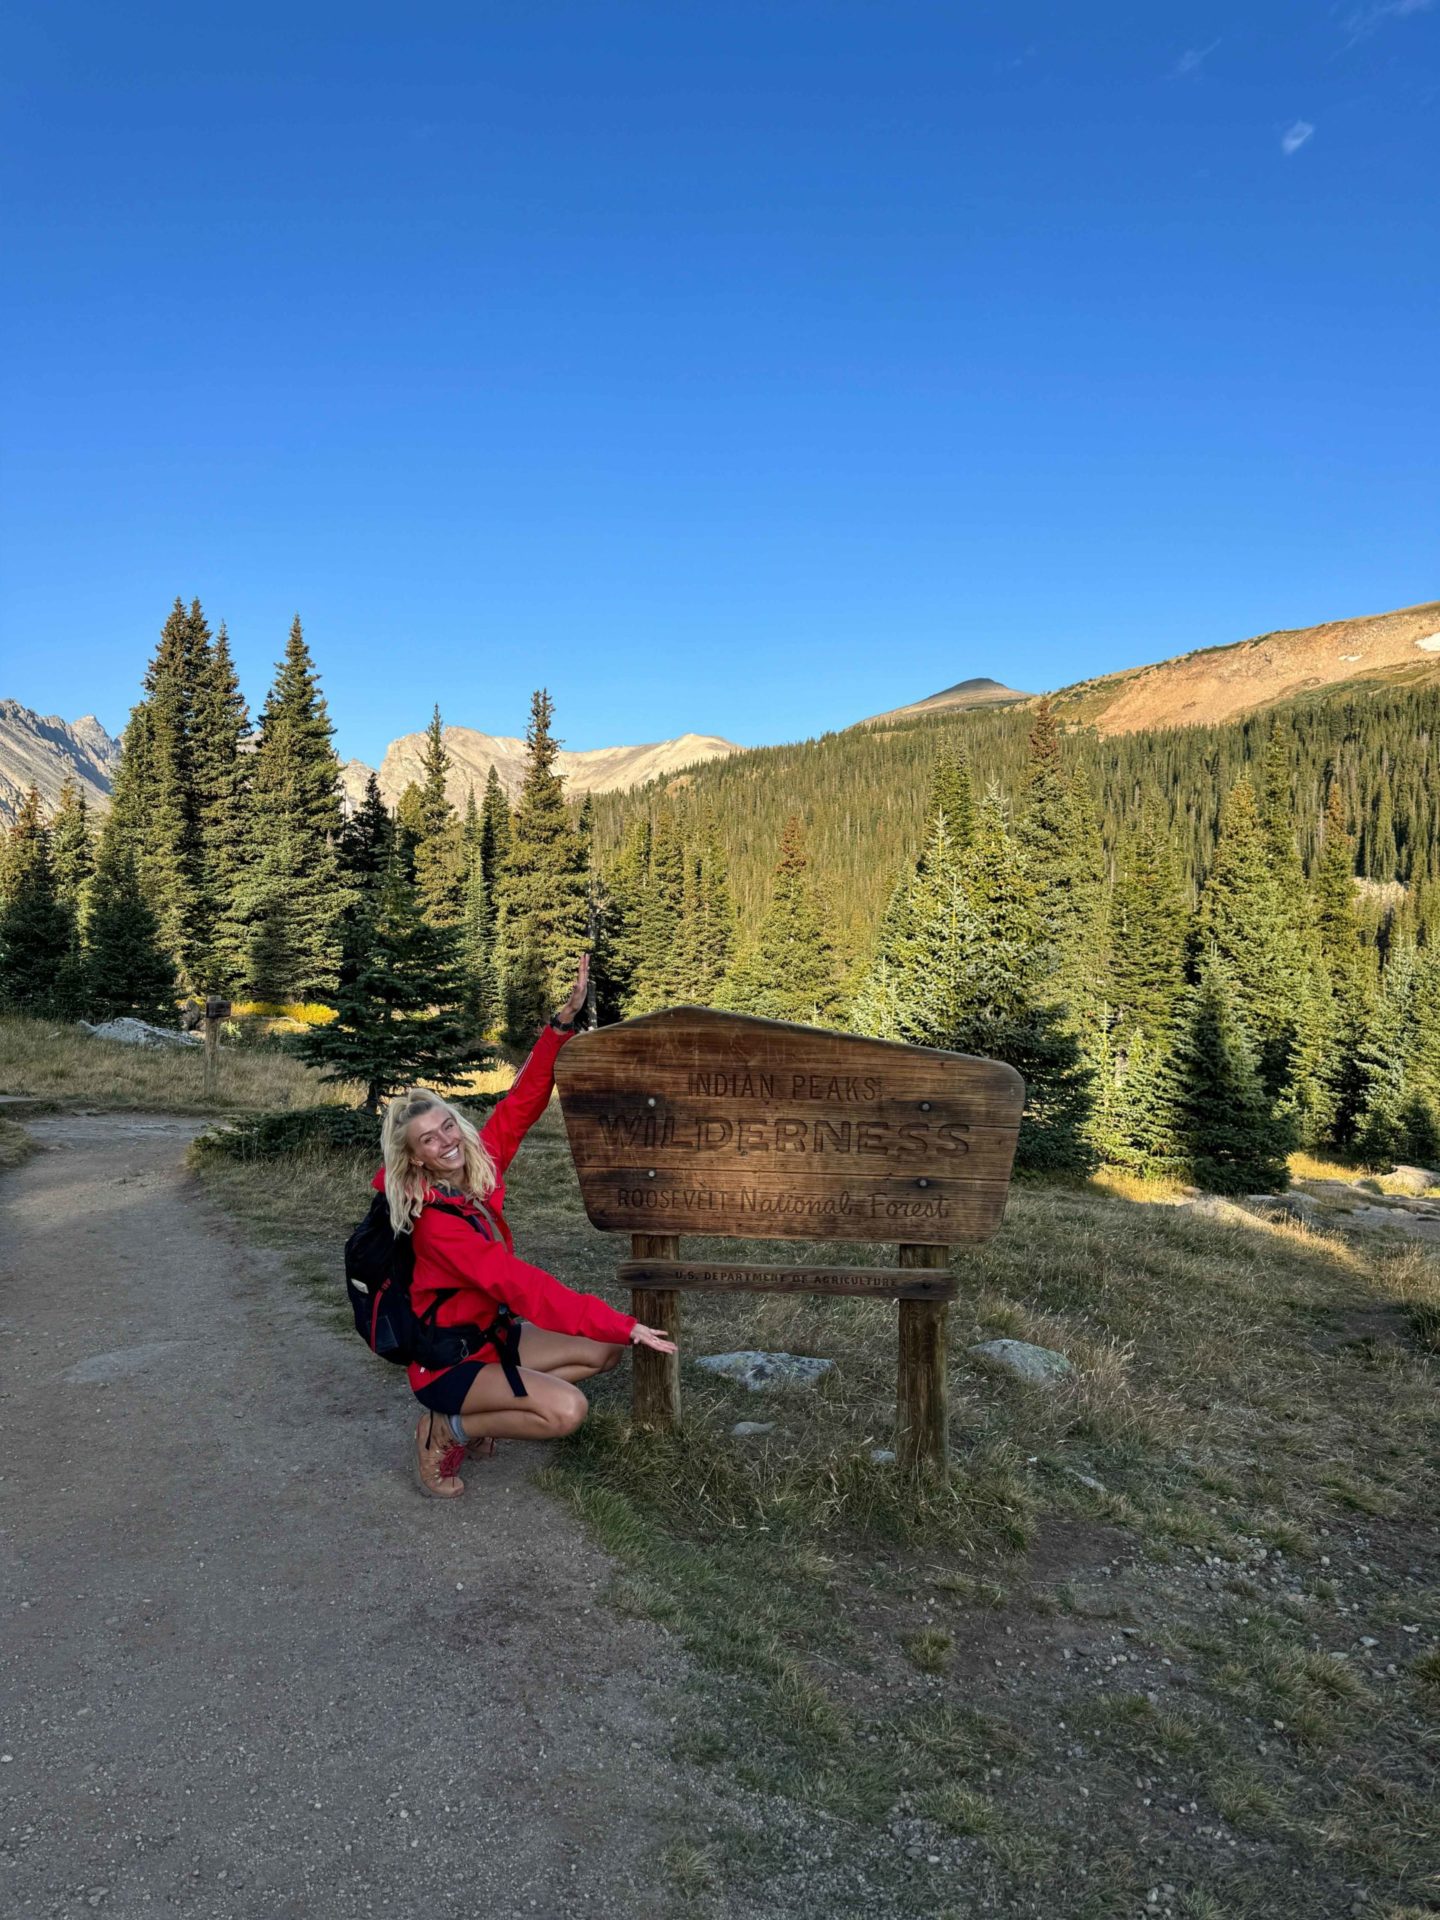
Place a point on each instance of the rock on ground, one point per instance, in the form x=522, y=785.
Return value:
x=1413, y=1180
x=139, y=1033
x=1285, y=1206
x=1036, y=1366
x=759, y=1371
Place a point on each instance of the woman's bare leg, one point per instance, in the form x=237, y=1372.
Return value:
x=564, y=1356
x=550, y=1409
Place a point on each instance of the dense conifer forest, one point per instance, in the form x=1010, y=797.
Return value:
x=1202, y=947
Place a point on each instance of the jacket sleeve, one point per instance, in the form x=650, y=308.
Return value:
x=527, y=1099
x=455, y=1256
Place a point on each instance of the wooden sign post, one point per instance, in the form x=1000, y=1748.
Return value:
x=216, y=1010
x=691, y=1121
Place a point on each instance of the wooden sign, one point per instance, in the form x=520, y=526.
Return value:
x=692, y=1121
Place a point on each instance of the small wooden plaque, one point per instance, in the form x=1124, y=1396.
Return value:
x=876, y=1283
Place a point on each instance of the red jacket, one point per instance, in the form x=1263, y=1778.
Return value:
x=482, y=1267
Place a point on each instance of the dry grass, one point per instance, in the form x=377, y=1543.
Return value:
x=48, y=1060
x=1251, y=1406
x=15, y=1145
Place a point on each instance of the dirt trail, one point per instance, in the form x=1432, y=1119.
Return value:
x=246, y=1670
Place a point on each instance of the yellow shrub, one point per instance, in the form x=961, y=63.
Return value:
x=308, y=1013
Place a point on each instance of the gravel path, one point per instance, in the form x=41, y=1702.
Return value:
x=246, y=1670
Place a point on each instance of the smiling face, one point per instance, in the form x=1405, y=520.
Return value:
x=434, y=1141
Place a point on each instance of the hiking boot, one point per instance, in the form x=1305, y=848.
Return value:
x=438, y=1455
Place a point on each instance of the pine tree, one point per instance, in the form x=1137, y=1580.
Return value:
x=439, y=858
x=477, y=945
x=1242, y=916
x=495, y=831
x=220, y=772
x=400, y=1016
x=1135, y=1124
x=1058, y=835
x=657, y=977
x=708, y=920
x=72, y=849
x=127, y=971
x=1351, y=973
x=1229, y=1137
x=294, y=894
x=789, y=972
x=1399, y=1062
x=1147, y=930
x=952, y=798
x=36, y=929
x=409, y=823
x=155, y=800
x=367, y=841
x=541, y=917
x=615, y=959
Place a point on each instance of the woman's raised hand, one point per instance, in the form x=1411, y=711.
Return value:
x=652, y=1337
x=574, y=1006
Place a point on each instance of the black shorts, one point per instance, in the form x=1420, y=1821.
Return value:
x=446, y=1392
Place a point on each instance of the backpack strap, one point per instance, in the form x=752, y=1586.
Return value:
x=503, y=1332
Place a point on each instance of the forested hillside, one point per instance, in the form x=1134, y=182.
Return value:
x=1201, y=947
x=861, y=794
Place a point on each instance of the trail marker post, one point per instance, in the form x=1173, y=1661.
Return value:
x=216, y=1010
x=692, y=1121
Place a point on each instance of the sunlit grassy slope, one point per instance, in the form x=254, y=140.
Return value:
x=1175, y=1626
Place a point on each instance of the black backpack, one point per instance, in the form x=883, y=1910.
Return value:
x=379, y=1266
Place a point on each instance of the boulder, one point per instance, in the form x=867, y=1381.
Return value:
x=1412, y=1180
x=1214, y=1206
x=139, y=1033
x=1036, y=1366
x=760, y=1371
x=1285, y=1206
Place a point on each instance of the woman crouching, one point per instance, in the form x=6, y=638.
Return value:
x=541, y=1337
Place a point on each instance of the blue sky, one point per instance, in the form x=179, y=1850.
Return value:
x=743, y=368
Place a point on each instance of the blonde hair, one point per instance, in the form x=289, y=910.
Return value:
x=406, y=1181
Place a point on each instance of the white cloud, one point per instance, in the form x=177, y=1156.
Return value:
x=1192, y=60
x=1363, y=21
x=1295, y=137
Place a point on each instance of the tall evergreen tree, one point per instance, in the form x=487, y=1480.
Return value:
x=36, y=930
x=707, y=927
x=789, y=972
x=72, y=849
x=1229, y=1136
x=439, y=856
x=477, y=945
x=367, y=841
x=1147, y=930
x=541, y=917
x=1400, y=1062
x=1243, y=917
x=495, y=831
x=1058, y=835
x=294, y=893
x=127, y=970
x=401, y=1016
x=952, y=798
x=657, y=977
x=155, y=799
x=616, y=959
x=220, y=773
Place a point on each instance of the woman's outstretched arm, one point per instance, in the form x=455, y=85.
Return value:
x=530, y=1094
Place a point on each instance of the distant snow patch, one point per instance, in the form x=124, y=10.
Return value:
x=1432, y=645
x=1352, y=656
